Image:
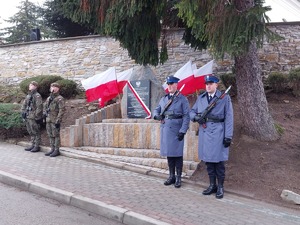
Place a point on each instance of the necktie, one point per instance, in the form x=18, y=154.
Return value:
x=170, y=96
x=209, y=98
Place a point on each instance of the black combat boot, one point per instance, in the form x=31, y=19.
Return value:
x=55, y=153
x=220, y=191
x=49, y=153
x=29, y=148
x=178, y=178
x=171, y=179
x=212, y=186
x=35, y=149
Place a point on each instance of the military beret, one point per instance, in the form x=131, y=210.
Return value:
x=34, y=83
x=211, y=79
x=172, y=79
x=55, y=85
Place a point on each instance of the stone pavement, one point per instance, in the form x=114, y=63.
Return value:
x=129, y=197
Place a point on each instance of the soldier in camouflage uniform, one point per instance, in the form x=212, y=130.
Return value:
x=32, y=114
x=54, y=109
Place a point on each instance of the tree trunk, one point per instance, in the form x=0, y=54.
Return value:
x=252, y=101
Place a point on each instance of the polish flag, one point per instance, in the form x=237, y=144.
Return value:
x=102, y=87
x=122, y=79
x=186, y=76
x=200, y=74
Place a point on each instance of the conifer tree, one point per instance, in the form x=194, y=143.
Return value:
x=28, y=17
x=62, y=26
x=233, y=27
x=236, y=28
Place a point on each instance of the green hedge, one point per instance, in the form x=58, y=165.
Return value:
x=68, y=87
x=10, y=116
x=278, y=82
x=294, y=79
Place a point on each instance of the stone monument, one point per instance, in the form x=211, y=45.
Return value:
x=143, y=73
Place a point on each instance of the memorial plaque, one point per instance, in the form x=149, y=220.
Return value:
x=134, y=108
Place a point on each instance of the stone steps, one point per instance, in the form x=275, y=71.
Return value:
x=157, y=164
x=143, y=153
x=103, y=136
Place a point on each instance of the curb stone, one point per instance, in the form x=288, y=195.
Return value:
x=109, y=211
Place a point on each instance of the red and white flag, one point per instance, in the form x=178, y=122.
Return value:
x=122, y=79
x=186, y=76
x=102, y=87
x=200, y=74
x=191, y=77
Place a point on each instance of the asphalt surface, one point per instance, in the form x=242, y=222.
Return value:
x=130, y=197
x=20, y=207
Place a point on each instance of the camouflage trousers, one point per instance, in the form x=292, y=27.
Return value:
x=54, y=135
x=34, y=131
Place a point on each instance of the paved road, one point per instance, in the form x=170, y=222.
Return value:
x=24, y=208
x=137, y=193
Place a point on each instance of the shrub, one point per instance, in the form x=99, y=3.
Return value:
x=294, y=79
x=10, y=94
x=68, y=88
x=44, y=82
x=25, y=83
x=229, y=79
x=278, y=82
x=10, y=116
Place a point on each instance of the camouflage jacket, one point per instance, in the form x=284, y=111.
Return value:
x=33, y=105
x=56, y=109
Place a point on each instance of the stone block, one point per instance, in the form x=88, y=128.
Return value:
x=98, y=116
x=290, y=197
x=65, y=137
x=103, y=114
x=92, y=117
x=76, y=132
x=88, y=119
x=86, y=135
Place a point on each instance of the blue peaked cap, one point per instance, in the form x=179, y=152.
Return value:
x=211, y=78
x=172, y=79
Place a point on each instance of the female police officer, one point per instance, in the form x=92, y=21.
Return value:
x=215, y=134
x=173, y=112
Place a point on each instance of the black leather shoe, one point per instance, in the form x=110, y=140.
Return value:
x=211, y=189
x=170, y=180
x=55, y=153
x=35, y=149
x=29, y=148
x=220, y=193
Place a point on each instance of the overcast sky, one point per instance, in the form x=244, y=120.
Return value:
x=281, y=9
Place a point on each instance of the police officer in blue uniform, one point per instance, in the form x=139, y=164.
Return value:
x=215, y=134
x=173, y=112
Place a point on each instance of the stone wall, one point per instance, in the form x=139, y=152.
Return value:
x=81, y=57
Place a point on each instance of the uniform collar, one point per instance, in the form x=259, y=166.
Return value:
x=55, y=94
x=33, y=91
x=217, y=93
